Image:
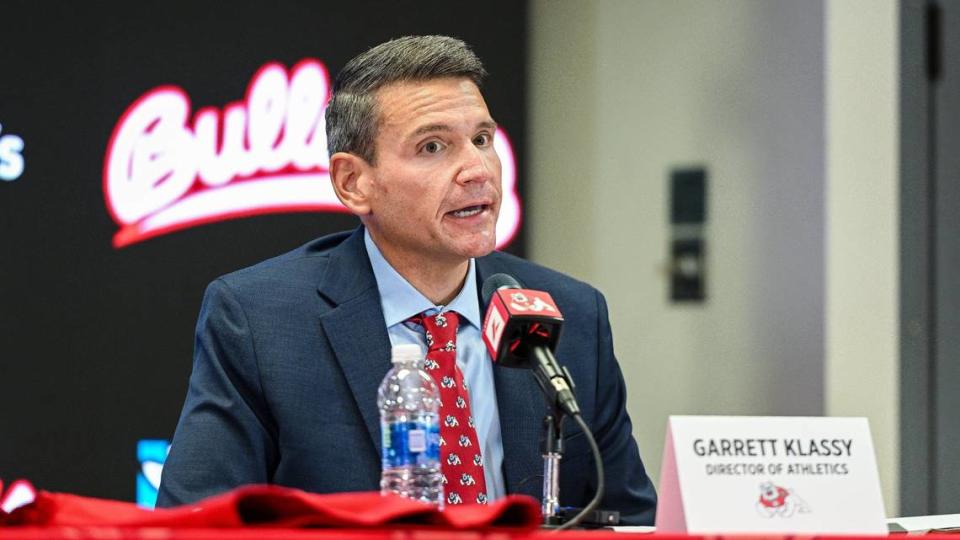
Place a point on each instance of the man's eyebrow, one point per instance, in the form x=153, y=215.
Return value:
x=435, y=128
x=431, y=128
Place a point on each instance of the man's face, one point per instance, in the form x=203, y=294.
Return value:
x=435, y=188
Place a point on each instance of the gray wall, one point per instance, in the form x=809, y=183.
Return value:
x=621, y=92
x=862, y=339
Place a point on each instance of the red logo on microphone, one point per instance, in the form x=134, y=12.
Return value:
x=164, y=171
x=494, y=324
x=525, y=302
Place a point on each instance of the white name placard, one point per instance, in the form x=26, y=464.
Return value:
x=769, y=474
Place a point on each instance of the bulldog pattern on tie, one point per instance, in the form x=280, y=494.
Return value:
x=460, y=461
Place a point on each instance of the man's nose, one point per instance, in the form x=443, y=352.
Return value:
x=475, y=166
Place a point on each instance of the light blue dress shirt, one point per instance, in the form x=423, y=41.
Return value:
x=400, y=301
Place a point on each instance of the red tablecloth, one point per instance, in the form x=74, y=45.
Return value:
x=263, y=506
x=271, y=512
x=115, y=533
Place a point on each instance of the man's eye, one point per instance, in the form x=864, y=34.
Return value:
x=432, y=147
x=482, y=140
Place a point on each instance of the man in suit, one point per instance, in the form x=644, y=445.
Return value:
x=290, y=352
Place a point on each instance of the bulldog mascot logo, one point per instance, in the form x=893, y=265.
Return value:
x=778, y=501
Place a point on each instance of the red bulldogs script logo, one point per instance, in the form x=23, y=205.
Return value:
x=265, y=154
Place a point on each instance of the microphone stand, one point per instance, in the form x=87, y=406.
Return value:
x=523, y=341
x=552, y=379
x=552, y=451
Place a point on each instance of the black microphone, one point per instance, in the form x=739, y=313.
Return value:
x=497, y=282
x=521, y=329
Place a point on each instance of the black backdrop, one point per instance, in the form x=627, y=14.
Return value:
x=96, y=342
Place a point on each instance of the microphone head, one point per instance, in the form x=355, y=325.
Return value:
x=517, y=321
x=497, y=282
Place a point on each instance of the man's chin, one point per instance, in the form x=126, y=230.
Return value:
x=476, y=247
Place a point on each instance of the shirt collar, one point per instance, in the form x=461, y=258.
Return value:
x=400, y=300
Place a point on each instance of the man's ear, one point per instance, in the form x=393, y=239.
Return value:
x=350, y=175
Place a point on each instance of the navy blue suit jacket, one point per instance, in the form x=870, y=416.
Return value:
x=289, y=356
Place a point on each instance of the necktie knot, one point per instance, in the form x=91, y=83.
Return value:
x=441, y=330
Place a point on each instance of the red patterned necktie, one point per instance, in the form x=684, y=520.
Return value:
x=460, y=461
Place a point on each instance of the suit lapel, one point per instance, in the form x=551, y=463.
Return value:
x=355, y=327
x=521, y=408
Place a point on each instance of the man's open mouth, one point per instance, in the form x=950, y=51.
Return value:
x=468, y=211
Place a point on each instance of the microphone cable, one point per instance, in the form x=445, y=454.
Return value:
x=598, y=494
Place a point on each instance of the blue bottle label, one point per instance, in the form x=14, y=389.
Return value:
x=410, y=443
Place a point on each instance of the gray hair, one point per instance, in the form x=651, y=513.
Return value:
x=352, y=116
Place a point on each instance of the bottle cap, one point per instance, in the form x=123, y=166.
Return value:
x=408, y=352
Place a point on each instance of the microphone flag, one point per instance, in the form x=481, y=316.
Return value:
x=517, y=321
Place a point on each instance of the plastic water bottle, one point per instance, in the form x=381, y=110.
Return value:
x=409, y=425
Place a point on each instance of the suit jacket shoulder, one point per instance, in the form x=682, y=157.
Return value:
x=304, y=266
